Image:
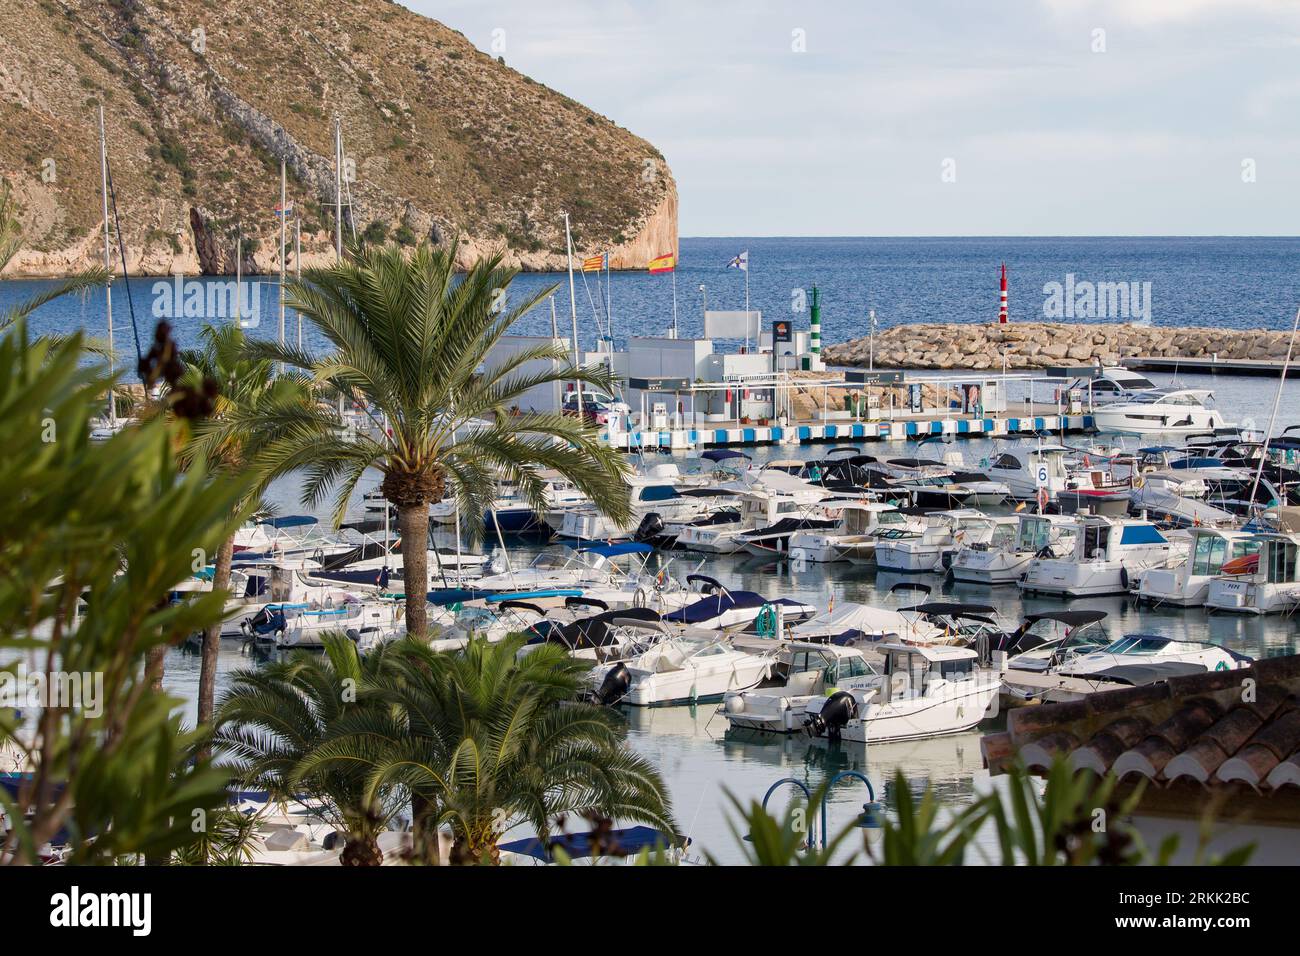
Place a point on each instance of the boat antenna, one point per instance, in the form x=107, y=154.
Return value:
x=1277, y=399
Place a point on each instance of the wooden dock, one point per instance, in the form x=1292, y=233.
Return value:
x=1270, y=368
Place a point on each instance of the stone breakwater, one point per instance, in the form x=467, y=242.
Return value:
x=1033, y=345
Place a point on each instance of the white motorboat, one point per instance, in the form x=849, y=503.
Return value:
x=693, y=666
x=810, y=671
x=1151, y=649
x=927, y=691
x=1188, y=584
x=1027, y=470
x=1162, y=411
x=764, y=499
x=719, y=608
x=1108, y=554
x=1005, y=557
x=851, y=624
x=366, y=622
x=287, y=536
x=854, y=538
x=281, y=587
x=1175, y=497
x=910, y=551
x=654, y=492
x=1111, y=384
x=1265, y=583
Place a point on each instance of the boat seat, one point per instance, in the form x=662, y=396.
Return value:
x=803, y=683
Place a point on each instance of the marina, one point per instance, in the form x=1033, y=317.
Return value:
x=393, y=484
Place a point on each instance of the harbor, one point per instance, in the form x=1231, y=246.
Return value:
x=409, y=467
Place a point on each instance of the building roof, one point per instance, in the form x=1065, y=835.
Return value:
x=1235, y=732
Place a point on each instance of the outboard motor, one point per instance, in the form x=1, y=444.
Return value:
x=651, y=527
x=615, y=685
x=839, y=709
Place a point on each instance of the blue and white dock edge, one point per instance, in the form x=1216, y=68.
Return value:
x=799, y=434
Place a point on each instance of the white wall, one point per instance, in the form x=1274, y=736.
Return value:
x=542, y=398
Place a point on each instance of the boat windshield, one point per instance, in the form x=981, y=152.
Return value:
x=1137, y=644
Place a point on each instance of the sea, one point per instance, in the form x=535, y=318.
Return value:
x=1227, y=282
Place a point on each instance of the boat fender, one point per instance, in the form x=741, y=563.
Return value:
x=354, y=635
x=734, y=704
x=615, y=685
x=839, y=709
x=1123, y=577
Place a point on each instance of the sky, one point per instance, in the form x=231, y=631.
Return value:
x=935, y=117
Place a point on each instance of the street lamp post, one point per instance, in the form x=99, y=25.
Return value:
x=868, y=819
x=871, y=341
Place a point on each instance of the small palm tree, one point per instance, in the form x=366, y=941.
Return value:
x=249, y=410
x=275, y=717
x=11, y=241
x=492, y=741
x=409, y=337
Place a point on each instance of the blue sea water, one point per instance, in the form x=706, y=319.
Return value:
x=1229, y=282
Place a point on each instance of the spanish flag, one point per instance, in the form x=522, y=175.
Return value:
x=661, y=264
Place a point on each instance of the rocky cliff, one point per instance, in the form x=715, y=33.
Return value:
x=1041, y=344
x=204, y=99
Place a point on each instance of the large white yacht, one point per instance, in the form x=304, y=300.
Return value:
x=1162, y=411
x=1108, y=555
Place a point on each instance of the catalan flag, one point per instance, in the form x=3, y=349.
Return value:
x=594, y=263
x=661, y=264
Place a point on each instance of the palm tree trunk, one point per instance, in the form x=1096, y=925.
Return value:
x=425, y=847
x=413, y=521
x=212, y=639
x=361, y=851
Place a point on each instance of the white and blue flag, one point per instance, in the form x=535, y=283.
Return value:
x=740, y=262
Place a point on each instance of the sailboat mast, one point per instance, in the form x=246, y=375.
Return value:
x=284, y=224
x=239, y=275
x=108, y=262
x=297, y=265
x=338, y=187
x=573, y=306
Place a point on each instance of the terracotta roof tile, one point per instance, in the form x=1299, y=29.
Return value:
x=1223, y=728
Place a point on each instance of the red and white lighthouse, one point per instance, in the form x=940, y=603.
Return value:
x=1002, y=308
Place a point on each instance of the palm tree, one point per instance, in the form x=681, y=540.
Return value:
x=274, y=717
x=492, y=740
x=11, y=241
x=250, y=406
x=408, y=338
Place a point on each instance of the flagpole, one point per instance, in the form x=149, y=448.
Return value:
x=338, y=187
x=573, y=307
x=747, y=302
x=609, y=316
x=674, y=297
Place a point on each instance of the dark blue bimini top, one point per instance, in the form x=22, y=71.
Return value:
x=578, y=845
x=614, y=550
